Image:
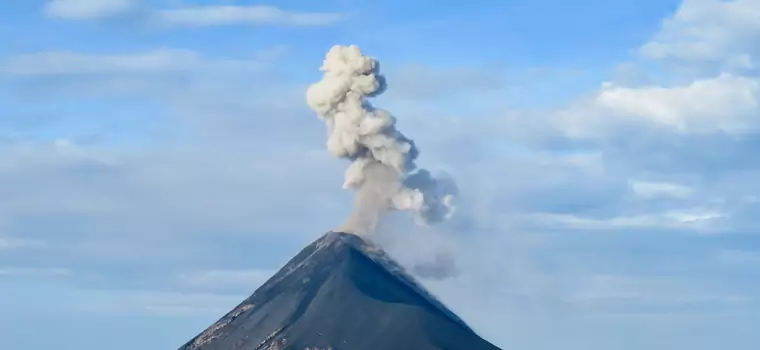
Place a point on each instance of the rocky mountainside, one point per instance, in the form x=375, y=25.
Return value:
x=340, y=293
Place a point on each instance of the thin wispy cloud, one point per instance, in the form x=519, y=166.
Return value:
x=653, y=190
x=200, y=16
x=162, y=60
x=88, y=9
x=696, y=220
x=190, y=15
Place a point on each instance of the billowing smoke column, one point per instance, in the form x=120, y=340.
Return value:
x=383, y=167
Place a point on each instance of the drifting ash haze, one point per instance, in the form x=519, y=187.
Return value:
x=383, y=167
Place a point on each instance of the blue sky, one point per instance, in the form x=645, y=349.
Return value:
x=158, y=162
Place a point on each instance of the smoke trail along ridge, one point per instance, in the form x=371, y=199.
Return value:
x=383, y=171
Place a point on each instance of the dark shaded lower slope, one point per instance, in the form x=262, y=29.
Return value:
x=340, y=293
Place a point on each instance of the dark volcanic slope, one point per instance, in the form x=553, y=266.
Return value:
x=340, y=293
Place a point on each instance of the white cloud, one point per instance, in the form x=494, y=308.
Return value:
x=244, y=15
x=726, y=103
x=194, y=15
x=648, y=190
x=58, y=63
x=716, y=44
x=88, y=9
x=696, y=220
x=726, y=33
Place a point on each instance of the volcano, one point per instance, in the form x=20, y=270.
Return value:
x=341, y=292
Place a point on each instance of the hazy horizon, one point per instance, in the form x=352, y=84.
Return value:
x=158, y=162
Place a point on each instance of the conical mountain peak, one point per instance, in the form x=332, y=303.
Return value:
x=341, y=292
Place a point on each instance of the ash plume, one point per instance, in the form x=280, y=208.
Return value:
x=383, y=171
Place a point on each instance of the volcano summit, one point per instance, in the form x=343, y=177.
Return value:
x=341, y=292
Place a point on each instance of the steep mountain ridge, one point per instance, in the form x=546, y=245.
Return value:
x=341, y=292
